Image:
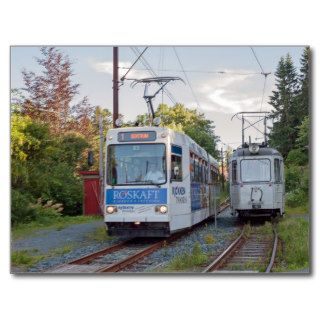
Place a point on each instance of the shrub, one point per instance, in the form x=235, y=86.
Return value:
x=297, y=157
x=296, y=198
x=21, y=210
x=293, y=175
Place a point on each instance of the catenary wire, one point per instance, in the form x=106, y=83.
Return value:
x=185, y=74
x=152, y=72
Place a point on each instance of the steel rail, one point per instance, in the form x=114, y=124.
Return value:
x=274, y=252
x=126, y=262
x=92, y=256
x=224, y=255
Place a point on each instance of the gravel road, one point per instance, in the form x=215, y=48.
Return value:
x=47, y=240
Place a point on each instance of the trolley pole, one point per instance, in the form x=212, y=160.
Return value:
x=265, y=130
x=242, y=131
x=101, y=180
x=115, y=86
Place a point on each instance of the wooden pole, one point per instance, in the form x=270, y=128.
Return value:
x=115, y=86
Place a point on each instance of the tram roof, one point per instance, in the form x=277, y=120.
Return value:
x=263, y=151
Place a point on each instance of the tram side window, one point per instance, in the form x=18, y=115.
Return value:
x=176, y=167
x=196, y=170
x=212, y=176
x=234, y=171
x=192, y=167
x=277, y=172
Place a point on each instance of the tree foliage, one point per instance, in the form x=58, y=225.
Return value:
x=51, y=131
x=50, y=95
x=290, y=133
x=192, y=123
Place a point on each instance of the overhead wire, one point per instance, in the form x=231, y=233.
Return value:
x=203, y=71
x=257, y=60
x=146, y=64
x=265, y=74
x=186, y=76
x=129, y=69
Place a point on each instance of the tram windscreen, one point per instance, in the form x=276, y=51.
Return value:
x=254, y=170
x=136, y=164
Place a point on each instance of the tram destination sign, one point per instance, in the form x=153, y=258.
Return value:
x=137, y=136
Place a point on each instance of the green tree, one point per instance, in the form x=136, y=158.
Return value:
x=192, y=123
x=44, y=165
x=284, y=100
x=304, y=80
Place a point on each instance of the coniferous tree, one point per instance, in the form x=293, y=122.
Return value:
x=284, y=100
x=304, y=79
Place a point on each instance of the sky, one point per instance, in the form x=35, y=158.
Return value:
x=217, y=95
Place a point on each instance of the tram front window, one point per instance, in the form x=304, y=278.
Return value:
x=136, y=164
x=254, y=170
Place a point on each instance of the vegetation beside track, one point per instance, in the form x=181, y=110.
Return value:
x=293, y=253
x=24, y=259
x=187, y=261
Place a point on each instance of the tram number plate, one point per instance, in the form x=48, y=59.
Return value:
x=256, y=206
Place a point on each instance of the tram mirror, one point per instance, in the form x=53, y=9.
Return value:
x=90, y=158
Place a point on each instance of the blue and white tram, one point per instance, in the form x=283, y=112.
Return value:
x=158, y=181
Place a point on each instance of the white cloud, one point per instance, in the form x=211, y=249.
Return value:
x=235, y=91
x=107, y=67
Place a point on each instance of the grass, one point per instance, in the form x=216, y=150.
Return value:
x=209, y=239
x=21, y=231
x=294, y=253
x=99, y=234
x=297, y=210
x=188, y=261
x=25, y=258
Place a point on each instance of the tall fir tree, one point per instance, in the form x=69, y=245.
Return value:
x=284, y=100
x=304, y=80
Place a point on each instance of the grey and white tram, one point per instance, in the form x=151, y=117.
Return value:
x=158, y=181
x=256, y=176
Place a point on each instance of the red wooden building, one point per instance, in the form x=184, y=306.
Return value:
x=91, y=191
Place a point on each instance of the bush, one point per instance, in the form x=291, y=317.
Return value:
x=21, y=210
x=292, y=176
x=296, y=198
x=297, y=157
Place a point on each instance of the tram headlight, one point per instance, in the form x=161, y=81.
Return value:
x=254, y=148
x=118, y=122
x=111, y=209
x=161, y=209
x=157, y=121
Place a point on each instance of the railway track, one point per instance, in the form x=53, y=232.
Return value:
x=121, y=256
x=247, y=254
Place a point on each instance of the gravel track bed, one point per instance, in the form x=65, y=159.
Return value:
x=226, y=227
x=76, y=235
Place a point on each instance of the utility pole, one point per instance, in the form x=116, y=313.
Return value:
x=222, y=170
x=101, y=180
x=115, y=86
